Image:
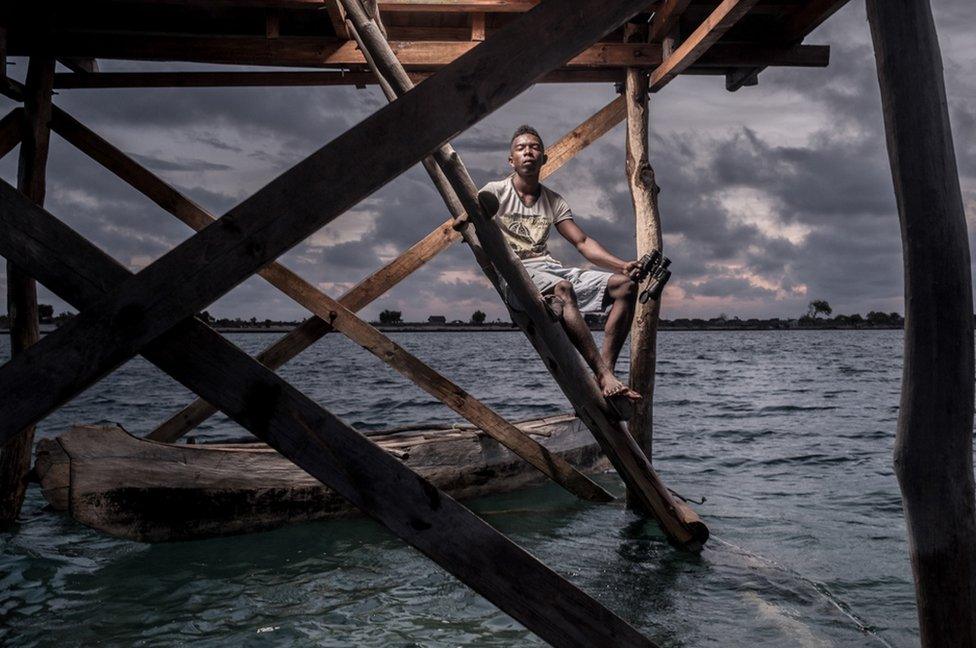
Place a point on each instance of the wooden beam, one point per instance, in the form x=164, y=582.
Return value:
x=298, y=50
x=80, y=65
x=370, y=288
x=12, y=128
x=321, y=444
x=342, y=319
x=647, y=221
x=666, y=18
x=692, y=48
x=548, y=337
x=314, y=328
x=15, y=455
x=338, y=19
x=934, y=444
x=795, y=28
x=478, y=26
x=293, y=206
x=455, y=6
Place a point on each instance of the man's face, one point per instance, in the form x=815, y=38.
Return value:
x=527, y=155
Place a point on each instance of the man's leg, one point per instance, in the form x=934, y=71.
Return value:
x=623, y=292
x=579, y=334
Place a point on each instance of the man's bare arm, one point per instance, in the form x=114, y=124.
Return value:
x=592, y=251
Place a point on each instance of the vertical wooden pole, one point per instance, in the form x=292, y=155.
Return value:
x=15, y=456
x=643, y=192
x=933, y=448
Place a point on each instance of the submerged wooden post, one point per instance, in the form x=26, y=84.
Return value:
x=933, y=448
x=15, y=456
x=643, y=193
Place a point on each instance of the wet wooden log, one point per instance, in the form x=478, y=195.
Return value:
x=15, y=455
x=321, y=444
x=152, y=492
x=547, y=336
x=933, y=447
x=647, y=219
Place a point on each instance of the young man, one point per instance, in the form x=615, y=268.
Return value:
x=527, y=211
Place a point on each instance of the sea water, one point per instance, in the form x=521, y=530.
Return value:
x=787, y=435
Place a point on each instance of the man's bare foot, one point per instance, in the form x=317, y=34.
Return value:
x=613, y=388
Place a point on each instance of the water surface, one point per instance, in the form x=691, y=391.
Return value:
x=787, y=434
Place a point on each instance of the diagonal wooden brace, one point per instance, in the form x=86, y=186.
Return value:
x=321, y=444
x=296, y=204
x=12, y=130
x=343, y=319
x=679, y=522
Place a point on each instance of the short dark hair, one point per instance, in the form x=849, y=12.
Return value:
x=525, y=129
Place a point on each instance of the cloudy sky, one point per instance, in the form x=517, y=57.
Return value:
x=771, y=196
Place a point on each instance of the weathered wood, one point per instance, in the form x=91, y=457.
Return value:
x=726, y=14
x=338, y=18
x=933, y=448
x=716, y=61
x=477, y=26
x=297, y=50
x=550, y=341
x=647, y=219
x=666, y=18
x=320, y=443
x=152, y=492
x=294, y=205
x=12, y=128
x=15, y=455
x=462, y=6
x=793, y=29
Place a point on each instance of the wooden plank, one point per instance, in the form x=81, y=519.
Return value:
x=293, y=206
x=80, y=65
x=548, y=337
x=298, y=50
x=12, y=128
x=15, y=455
x=455, y=6
x=338, y=19
x=363, y=293
x=933, y=454
x=321, y=444
x=477, y=26
x=795, y=28
x=647, y=221
x=666, y=18
x=692, y=48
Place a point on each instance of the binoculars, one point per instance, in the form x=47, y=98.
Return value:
x=654, y=268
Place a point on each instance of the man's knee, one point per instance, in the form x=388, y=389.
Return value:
x=623, y=288
x=564, y=290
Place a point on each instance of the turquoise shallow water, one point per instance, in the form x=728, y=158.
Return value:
x=787, y=434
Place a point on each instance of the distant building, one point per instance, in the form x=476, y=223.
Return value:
x=437, y=319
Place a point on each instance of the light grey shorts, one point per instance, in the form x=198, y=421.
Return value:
x=590, y=286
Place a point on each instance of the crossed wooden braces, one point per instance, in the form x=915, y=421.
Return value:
x=152, y=312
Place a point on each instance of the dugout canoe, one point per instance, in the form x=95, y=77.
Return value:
x=142, y=490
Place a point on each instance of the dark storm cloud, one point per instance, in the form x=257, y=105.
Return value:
x=764, y=194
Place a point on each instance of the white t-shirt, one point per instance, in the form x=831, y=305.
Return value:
x=527, y=228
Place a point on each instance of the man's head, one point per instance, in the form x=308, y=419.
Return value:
x=526, y=153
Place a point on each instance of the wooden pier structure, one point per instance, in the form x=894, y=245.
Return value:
x=443, y=65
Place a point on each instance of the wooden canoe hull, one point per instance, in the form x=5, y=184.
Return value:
x=142, y=490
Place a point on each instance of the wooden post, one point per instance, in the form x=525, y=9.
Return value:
x=562, y=360
x=933, y=447
x=15, y=456
x=643, y=192
x=321, y=444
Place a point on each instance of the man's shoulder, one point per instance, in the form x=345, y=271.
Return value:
x=553, y=196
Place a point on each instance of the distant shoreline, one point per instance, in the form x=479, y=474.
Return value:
x=504, y=328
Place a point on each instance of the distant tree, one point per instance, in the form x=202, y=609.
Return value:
x=478, y=317
x=45, y=312
x=819, y=307
x=878, y=318
x=390, y=317
x=856, y=318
